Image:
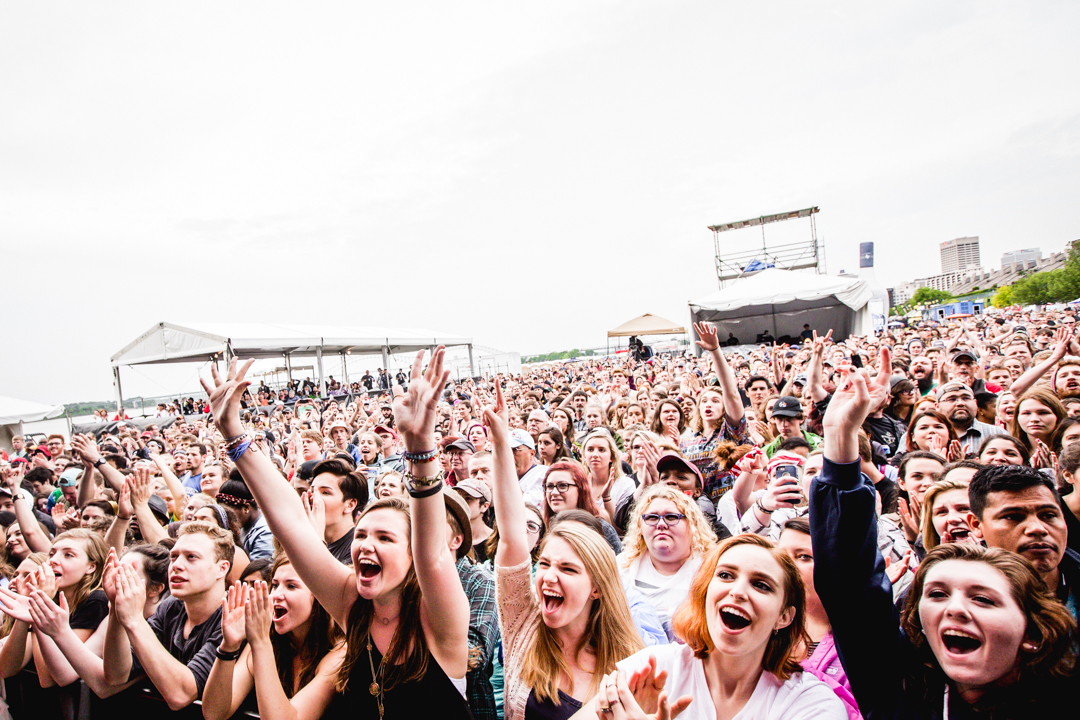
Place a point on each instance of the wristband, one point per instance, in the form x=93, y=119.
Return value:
x=234, y=439
x=228, y=656
x=761, y=507
x=235, y=453
x=427, y=492
x=235, y=442
x=419, y=457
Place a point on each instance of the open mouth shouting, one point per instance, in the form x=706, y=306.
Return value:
x=552, y=600
x=367, y=568
x=734, y=619
x=280, y=611
x=959, y=642
x=956, y=535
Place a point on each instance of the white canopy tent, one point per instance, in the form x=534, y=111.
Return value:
x=14, y=412
x=782, y=301
x=202, y=342
x=647, y=324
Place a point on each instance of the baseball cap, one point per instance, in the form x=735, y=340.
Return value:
x=461, y=445
x=70, y=477
x=307, y=469
x=159, y=507
x=969, y=354
x=676, y=461
x=951, y=386
x=474, y=489
x=519, y=437
x=799, y=380
x=383, y=429
x=787, y=406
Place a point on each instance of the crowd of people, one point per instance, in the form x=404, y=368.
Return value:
x=879, y=527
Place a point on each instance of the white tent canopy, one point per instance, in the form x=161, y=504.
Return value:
x=13, y=410
x=647, y=324
x=782, y=301
x=201, y=342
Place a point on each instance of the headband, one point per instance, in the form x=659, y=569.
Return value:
x=785, y=459
x=221, y=515
x=232, y=500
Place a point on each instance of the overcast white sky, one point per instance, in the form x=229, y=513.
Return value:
x=529, y=174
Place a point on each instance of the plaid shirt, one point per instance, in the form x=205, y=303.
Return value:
x=484, y=637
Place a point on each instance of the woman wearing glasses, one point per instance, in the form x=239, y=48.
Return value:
x=567, y=488
x=668, y=537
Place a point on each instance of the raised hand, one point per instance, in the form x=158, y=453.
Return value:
x=496, y=418
x=414, y=411
x=225, y=395
x=108, y=580
x=138, y=484
x=315, y=509
x=86, y=449
x=130, y=595
x=44, y=579
x=15, y=605
x=618, y=702
x=47, y=616
x=707, y=334
x=956, y=451
x=232, y=617
x=896, y=570
x=257, y=616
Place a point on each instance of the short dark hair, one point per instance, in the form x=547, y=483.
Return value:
x=794, y=444
x=353, y=484
x=754, y=378
x=39, y=474
x=201, y=447
x=1004, y=478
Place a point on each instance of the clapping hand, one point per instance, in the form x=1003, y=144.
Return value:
x=257, y=615
x=47, y=616
x=618, y=702
x=232, y=617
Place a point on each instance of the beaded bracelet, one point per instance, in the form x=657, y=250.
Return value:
x=235, y=453
x=235, y=442
x=230, y=441
x=419, y=457
x=426, y=492
x=761, y=507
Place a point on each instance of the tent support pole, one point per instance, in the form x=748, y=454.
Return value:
x=472, y=363
x=288, y=366
x=344, y=369
x=119, y=391
x=386, y=358
x=318, y=356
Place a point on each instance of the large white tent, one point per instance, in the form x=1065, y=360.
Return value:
x=782, y=301
x=14, y=412
x=201, y=342
x=647, y=324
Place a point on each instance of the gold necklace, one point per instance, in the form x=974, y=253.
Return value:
x=375, y=688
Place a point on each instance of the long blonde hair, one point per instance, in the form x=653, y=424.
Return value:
x=610, y=631
x=930, y=537
x=97, y=552
x=702, y=537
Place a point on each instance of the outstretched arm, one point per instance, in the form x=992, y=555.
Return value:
x=509, y=503
x=850, y=572
x=332, y=583
x=444, y=608
x=733, y=409
x=1062, y=338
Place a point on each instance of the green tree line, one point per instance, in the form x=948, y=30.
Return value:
x=1050, y=286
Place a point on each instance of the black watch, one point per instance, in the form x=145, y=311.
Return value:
x=228, y=656
x=99, y=462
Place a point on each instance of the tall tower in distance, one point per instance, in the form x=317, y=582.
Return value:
x=960, y=254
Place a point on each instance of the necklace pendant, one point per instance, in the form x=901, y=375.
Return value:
x=374, y=688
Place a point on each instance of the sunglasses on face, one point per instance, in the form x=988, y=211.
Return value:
x=653, y=519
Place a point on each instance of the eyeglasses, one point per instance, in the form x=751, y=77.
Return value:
x=533, y=527
x=653, y=519
x=561, y=487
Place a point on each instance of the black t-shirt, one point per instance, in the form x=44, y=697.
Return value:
x=90, y=612
x=197, y=650
x=341, y=548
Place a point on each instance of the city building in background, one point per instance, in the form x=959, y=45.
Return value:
x=1021, y=257
x=960, y=255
